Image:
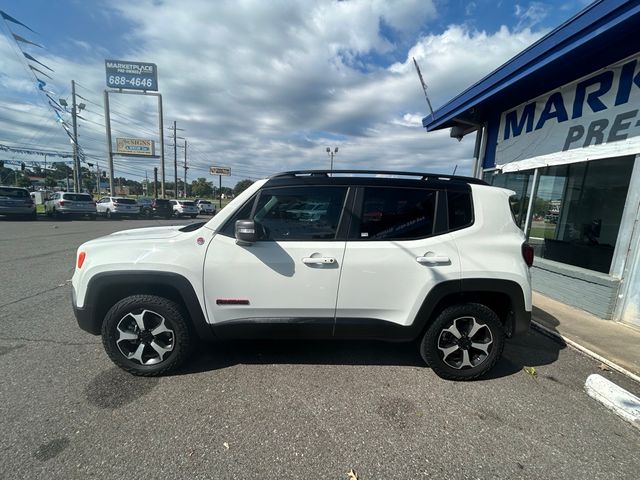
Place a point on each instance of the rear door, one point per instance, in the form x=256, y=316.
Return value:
x=396, y=253
x=285, y=283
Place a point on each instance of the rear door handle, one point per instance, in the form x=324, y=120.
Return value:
x=318, y=260
x=433, y=260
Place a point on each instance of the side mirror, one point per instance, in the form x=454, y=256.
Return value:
x=246, y=232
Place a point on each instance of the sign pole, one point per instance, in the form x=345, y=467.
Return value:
x=220, y=190
x=161, y=122
x=107, y=123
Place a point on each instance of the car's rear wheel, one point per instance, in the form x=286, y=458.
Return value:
x=464, y=342
x=109, y=214
x=146, y=335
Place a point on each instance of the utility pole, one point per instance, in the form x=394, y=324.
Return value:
x=98, y=178
x=76, y=160
x=185, y=168
x=146, y=184
x=155, y=182
x=175, y=156
x=175, y=161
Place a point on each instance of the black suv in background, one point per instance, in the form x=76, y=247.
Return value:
x=155, y=207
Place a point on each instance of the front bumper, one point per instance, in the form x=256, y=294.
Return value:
x=84, y=317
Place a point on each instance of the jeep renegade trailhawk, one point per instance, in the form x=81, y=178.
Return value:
x=392, y=256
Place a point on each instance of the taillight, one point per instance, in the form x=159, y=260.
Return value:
x=527, y=254
x=81, y=257
x=62, y=203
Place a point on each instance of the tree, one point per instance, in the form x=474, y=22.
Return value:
x=201, y=188
x=24, y=181
x=242, y=185
x=50, y=182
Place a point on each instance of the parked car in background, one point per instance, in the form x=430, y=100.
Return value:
x=205, y=207
x=16, y=202
x=112, y=207
x=155, y=207
x=70, y=204
x=183, y=208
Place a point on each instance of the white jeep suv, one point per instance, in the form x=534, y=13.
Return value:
x=400, y=257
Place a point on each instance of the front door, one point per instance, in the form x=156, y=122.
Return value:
x=287, y=281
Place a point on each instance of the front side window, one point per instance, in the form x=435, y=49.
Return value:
x=299, y=213
x=397, y=213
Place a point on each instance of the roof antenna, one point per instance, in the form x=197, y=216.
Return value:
x=454, y=170
x=424, y=85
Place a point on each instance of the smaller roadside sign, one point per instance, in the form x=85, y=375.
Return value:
x=131, y=75
x=225, y=171
x=135, y=146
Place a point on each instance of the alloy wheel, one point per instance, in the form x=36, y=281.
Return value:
x=465, y=343
x=143, y=337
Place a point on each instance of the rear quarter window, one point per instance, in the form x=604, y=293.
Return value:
x=460, y=209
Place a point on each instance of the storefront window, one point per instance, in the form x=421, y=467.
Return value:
x=521, y=183
x=577, y=210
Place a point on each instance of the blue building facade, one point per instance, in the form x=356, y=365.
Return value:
x=559, y=124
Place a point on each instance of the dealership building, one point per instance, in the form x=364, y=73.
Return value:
x=559, y=124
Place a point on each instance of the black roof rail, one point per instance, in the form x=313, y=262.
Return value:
x=422, y=175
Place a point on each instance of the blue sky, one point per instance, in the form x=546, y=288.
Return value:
x=266, y=86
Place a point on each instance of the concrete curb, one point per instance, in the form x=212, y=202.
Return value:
x=586, y=351
x=615, y=398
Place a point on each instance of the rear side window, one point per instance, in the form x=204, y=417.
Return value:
x=188, y=204
x=77, y=197
x=160, y=201
x=397, y=213
x=460, y=209
x=13, y=192
x=125, y=201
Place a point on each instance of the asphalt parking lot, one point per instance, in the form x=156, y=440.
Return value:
x=276, y=410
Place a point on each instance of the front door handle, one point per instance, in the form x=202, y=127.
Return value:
x=433, y=259
x=318, y=260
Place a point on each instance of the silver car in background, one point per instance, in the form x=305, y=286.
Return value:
x=66, y=203
x=16, y=201
x=112, y=207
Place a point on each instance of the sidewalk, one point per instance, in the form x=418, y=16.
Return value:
x=615, y=342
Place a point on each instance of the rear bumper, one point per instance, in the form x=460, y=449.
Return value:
x=17, y=210
x=74, y=211
x=521, y=323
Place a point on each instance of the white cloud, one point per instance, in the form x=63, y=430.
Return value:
x=266, y=86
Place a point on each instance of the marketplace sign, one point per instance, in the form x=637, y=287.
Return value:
x=131, y=75
x=594, y=117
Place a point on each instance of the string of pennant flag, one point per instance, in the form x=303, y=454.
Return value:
x=59, y=110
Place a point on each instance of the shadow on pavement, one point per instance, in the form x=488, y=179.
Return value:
x=531, y=350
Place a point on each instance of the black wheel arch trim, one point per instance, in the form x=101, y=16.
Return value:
x=90, y=319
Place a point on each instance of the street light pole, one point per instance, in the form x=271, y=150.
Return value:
x=331, y=155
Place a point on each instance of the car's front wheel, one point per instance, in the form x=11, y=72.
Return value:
x=146, y=335
x=464, y=342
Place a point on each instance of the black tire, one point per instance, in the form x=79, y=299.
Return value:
x=93, y=216
x=168, y=217
x=194, y=216
x=108, y=214
x=148, y=213
x=33, y=216
x=181, y=336
x=437, y=336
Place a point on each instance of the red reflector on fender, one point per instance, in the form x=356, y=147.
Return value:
x=232, y=301
x=81, y=257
